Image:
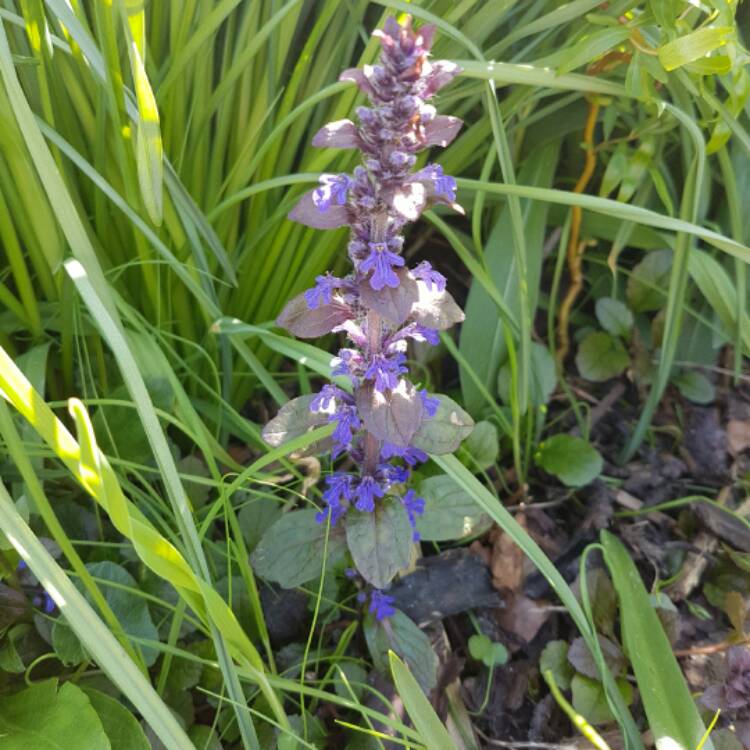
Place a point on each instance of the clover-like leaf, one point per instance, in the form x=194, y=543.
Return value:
x=380, y=542
x=580, y=656
x=392, y=416
x=444, y=432
x=394, y=304
x=299, y=319
x=294, y=419
x=307, y=213
x=490, y=653
x=601, y=357
x=290, y=553
x=435, y=309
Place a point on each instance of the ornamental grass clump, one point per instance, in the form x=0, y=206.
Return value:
x=382, y=421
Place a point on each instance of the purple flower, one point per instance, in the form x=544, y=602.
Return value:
x=426, y=273
x=333, y=189
x=385, y=369
x=347, y=423
x=381, y=261
x=443, y=185
x=349, y=362
x=429, y=403
x=417, y=332
x=411, y=455
x=414, y=507
x=381, y=605
x=324, y=288
x=367, y=490
x=329, y=394
x=44, y=602
x=337, y=496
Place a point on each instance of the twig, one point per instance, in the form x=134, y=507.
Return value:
x=711, y=648
x=576, y=248
x=521, y=745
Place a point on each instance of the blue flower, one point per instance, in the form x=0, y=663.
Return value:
x=411, y=455
x=385, y=369
x=337, y=497
x=381, y=605
x=414, y=507
x=430, y=404
x=367, y=490
x=323, y=290
x=333, y=189
x=381, y=261
x=418, y=332
x=347, y=423
x=426, y=273
x=328, y=395
x=443, y=185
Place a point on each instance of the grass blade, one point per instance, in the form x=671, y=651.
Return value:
x=434, y=734
x=672, y=714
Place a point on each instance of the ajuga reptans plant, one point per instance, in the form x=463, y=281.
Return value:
x=382, y=420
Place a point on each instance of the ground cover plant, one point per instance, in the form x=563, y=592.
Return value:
x=497, y=497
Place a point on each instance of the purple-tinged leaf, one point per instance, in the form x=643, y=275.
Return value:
x=392, y=416
x=394, y=304
x=294, y=419
x=358, y=76
x=380, y=541
x=440, y=74
x=338, y=134
x=436, y=309
x=444, y=432
x=299, y=319
x=441, y=130
x=306, y=212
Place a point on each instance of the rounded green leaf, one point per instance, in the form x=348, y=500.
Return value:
x=573, y=460
x=444, y=432
x=601, y=357
x=45, y=718
x=614, y=316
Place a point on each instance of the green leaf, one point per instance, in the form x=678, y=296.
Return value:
x=67, y=644
x=695, y=386
x=293, y=419
x=291, y=551
x=601, y=357
x=672, y=714
x=693, y=46
x=120, y=726
x=554, y=658
x=380, y=542
x=45, y=718
x=426, y=721
x=590, y=701
x=130, y=609
x=398, y=633
x=614, y=316
x=483, y=445
x=450, y=512
x=542, y=381
x=647, y=285
x=444, y=432
x=573, y=460
x=490, y=653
